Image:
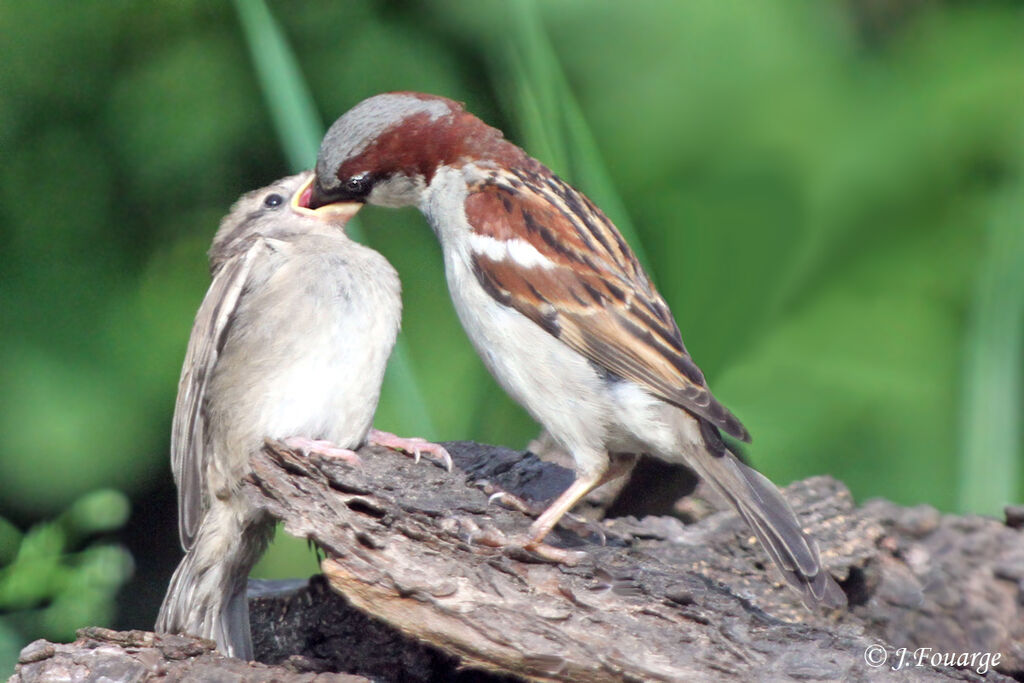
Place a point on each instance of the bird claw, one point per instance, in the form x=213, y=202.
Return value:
x=519, y=545
x=569, y=558
x=514, y=502
x=308, y=447
x=580, y=526
x=414, y=446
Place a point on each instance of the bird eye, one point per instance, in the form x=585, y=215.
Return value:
x=273, y=200
x=358, y=185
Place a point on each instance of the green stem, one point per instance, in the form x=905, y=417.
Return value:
x=553, y=122
x=991, y=436
x=284, y=89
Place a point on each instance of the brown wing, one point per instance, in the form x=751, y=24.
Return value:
x=583, y=284
x=188, y=430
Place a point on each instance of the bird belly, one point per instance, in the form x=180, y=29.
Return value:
x=328, y=391
x=644, y=423
x=556, y=385
x=305, y=357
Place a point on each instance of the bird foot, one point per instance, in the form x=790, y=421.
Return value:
x=569, y=558
x=518, y=546
x=514, y=502
x=413, y=446
x=580, y=526
x=308, y=447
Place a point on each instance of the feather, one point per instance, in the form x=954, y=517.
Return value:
x=188, y=431
x=565, y=266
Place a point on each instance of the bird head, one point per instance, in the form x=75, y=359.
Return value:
x=387, y=149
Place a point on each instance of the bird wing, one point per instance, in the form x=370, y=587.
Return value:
x=544, y=249
x=188, y=431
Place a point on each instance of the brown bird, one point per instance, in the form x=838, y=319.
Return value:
x=289, y=343
x=558, y=308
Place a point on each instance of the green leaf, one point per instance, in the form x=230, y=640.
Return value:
x=99, y=511
x=10, y=539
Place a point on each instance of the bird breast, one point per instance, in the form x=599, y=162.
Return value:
x=306, y=352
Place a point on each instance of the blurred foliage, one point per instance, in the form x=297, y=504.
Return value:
x=56, y=577
x=828, y=194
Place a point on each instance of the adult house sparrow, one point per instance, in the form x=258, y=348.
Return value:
x=289, y=343
x=558, y=308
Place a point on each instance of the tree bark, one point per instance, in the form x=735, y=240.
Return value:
x=422, y=580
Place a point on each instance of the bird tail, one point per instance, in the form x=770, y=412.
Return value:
x=206, y=596
x=760, y=504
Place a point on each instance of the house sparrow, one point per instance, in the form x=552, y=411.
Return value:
x=289, y=343
x=558, y=308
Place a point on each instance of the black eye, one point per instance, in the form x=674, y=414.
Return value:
x=358, y=185
x=273, y=200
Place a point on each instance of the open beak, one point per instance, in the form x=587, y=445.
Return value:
x=338, y=213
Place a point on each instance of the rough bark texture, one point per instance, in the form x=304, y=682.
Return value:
x=426, y=583
x=100, y=654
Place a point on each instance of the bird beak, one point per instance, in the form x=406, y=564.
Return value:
x=338, y=213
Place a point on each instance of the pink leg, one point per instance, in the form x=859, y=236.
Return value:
x=561, y=505
x=542, y=526
x=578, y=525
x=516, y=503
x=325, y=448
x=414, y=446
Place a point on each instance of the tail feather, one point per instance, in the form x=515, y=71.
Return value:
x=778, y=515
x=206, y=596
x=201, y=601
x=759, y=503
x=232, y=625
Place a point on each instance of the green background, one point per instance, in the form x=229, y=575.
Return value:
x=828, y=194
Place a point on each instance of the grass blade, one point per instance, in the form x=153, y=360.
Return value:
x=300, y=129
x=535, y=112
x=284, y=89
x=989, y=454
x=552, y=122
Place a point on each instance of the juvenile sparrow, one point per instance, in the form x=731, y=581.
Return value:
x=558, y=308
x=289, y=343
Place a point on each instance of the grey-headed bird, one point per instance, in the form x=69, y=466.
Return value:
x=558, y=308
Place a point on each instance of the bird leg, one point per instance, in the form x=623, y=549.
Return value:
x=618, y=465
x=543, y=525
x=554, y=512
x=414, y=446
x=577, y=524
x=307, y=447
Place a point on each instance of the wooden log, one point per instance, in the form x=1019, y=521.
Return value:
x=424, y=585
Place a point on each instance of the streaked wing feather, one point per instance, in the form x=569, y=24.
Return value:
x=188, y=431
x=591, y=293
